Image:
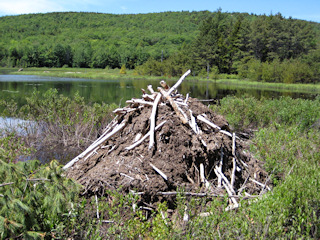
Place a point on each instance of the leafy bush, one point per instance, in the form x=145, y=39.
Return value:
x=35, y=201
x=69, y=123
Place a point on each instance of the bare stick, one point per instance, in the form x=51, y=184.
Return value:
x=144, y=137
x=5, y=184
x=153, y=120
x=226, y=133
x=229, y=191
x=220, y=167
x=150, y=89
x=234, y=167
x=234, y=144
x=225, y=179
x=259, y=183
x=97, y=207
x=140, y=101
x=202, y=179
x=95, y=144
x=148, y=97
x=37, y=179
x=193, y=123
x=159, y=171
x=187, y=97
x=121, y=111
x=178, y=82
x=174, y=105
x=125, y=175
x=203, y=119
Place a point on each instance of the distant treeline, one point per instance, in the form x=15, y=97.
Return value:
x=263, y=48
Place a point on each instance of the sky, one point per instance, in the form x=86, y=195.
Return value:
x=299, y=9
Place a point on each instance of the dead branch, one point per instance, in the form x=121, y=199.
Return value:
x=5, y=184
x=144, y=137
x=174, y=105
x=178, y=82
x=153, y=120
x=95, y=144
x=164, y=176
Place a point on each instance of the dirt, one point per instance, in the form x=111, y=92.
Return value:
x=178, y=153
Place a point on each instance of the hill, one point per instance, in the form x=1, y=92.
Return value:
x=134, y=38
x=166, y=43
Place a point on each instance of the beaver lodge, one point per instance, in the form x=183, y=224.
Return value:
x=165, y=142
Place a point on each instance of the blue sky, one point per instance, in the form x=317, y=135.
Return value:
x=301, y=9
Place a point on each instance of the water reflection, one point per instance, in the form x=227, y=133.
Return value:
x=18, y=87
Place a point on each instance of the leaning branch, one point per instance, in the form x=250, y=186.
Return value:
x=95, y=144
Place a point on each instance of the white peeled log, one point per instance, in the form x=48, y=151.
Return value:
x=175, y=107
x=144, y=137
x=140, y=101
x=174, y=87
x=96, y=144
x=164, y=176
x=203, y=119
x=153, y=120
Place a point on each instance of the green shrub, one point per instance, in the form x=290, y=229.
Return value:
x=37, y=201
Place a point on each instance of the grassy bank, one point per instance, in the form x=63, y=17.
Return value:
x=286, y=137
x=108, y=74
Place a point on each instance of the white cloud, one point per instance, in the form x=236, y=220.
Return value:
x=12, y=7
x=124, y=8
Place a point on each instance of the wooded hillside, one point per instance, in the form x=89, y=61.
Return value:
x=258, y=47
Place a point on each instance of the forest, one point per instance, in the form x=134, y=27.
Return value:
x=256, y=47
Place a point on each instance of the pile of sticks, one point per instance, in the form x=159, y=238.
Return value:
x=169, y=95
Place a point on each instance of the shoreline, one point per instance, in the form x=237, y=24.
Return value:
x=111, y=74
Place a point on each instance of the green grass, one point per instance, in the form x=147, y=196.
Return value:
x=286, y=139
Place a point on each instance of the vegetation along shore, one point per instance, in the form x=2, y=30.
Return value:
x=37, y=201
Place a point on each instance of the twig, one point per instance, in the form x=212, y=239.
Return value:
x=144, y=137
x=125, y=175
x=259, y=183
x=187, y=97
x=140, y=101
x=193, y=123
x=97, y=207
x=234, y=167
x=203, y=119
x=202, y=179
x=5, y=184
x=220, y=167
x=159, y=171
x=95, y=144
x=150, y=89
x=229, y=191
x=224, y=178
x=153, y=120
x=174, y=105
x=37, y=179
x=174, y=87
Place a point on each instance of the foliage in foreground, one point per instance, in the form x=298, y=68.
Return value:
x=36, y=202
x=287, y=140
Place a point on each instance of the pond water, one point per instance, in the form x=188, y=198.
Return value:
x=17, y=87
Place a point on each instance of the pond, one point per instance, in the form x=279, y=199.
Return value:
x=17, y=87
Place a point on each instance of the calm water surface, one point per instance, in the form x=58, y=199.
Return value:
x=18, y=87
x=118, y=91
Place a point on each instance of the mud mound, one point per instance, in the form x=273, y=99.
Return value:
x=165, y=142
